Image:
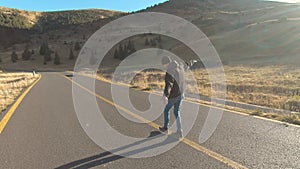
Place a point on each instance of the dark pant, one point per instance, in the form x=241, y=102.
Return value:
x=176, y=102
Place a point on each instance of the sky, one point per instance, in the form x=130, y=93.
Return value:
x=289, y=1
x=57, y=5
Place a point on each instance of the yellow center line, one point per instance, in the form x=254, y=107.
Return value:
x=188, y=142
x=11, y=111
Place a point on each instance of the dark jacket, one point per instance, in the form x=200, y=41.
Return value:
x=174, y=81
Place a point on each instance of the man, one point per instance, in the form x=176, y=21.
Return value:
x=173, y=93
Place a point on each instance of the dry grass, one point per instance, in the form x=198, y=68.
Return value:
x=268, y=86
x=272, y=86
x=11, y=85
x=289, y=118
x=276, y=87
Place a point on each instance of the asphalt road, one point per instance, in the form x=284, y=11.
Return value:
x=44, y=132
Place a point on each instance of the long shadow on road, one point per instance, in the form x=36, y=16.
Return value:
x=107, y=156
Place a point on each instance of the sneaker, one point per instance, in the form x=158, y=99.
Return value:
x=163, y=129
x=179, y=134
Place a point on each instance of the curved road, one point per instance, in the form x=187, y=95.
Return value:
x=44, y=132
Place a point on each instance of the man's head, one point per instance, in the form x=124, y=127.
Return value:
x=165, y=61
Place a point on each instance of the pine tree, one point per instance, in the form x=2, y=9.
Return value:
x=153, y=42
x=14, y=57
x=56, y=59
x=71, y=55
x=116, y=54
x=26, y=54
x=160, y=46
x=159, y=39
x=131, y=48
x=77, y=46
x=48, y=56
x=147, y=42
x=44, y=48
x=129, y=45
x=121, y=51
x=125, y=52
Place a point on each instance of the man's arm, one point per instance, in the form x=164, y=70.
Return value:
x=169, y=81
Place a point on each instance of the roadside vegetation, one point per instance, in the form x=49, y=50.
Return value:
x=289, y=118
x=11, y=85
x=272, y=86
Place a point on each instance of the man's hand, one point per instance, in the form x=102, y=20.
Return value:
x=165, y=100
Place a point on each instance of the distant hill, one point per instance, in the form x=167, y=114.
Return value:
x=16, y=26
x=14, y=18
x=244, y=32
x=248, y=32
x=216, y=16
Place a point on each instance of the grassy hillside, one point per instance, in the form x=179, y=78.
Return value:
x=20, y=27
x=52, y=20
x=244, y=32
x=21, y=19
x=14, y=19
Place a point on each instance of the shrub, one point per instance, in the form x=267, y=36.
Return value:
x=77, y=46
x=56, y=59
x=44, y=48
x=71, y=55
x=26, y=54
x=14, y=57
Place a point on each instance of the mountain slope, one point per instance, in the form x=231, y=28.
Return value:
x=17, y=26
x=244, y=32
x=21, y=19
x=248, y=32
